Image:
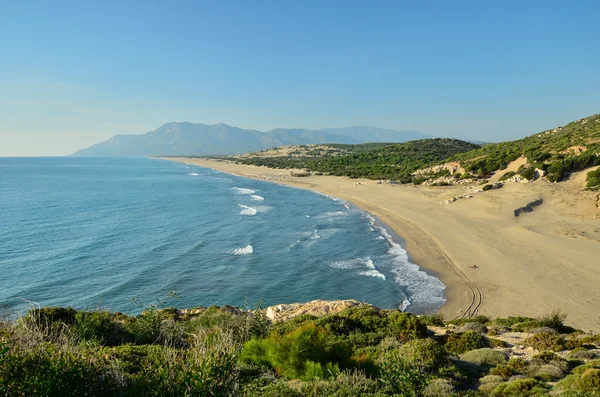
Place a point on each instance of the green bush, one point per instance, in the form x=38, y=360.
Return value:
x=306, y=353
x=521, y=388
x=593, y=179
x=544, y=341
x=428, y=355
x=476, y=319
x=505, y=371
x=400, y=376
x=586, y=381
x=510, y=321
x=528, y=173
x=461, y=343
x=99, y=327
x=507, y=175
x=347, y=384
x=485, y=356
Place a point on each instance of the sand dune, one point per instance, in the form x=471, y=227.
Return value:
x=541, y=261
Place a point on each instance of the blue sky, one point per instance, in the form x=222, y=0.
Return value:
x=75, y=73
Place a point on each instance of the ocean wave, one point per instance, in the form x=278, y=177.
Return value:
x=247, y=250
x=372, y=273
x=331, y=216
x=359, y=263
x=422, y=289
x=248, y=211
x=193, y=174
x=241, y=190
x=319, y=233
x=257, y=198
x=262, y=208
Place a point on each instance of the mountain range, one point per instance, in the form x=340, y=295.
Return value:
x=189, y=139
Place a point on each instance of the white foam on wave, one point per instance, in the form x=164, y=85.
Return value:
x=372, y=273
x=257, y=198
x=359, y=263
x=421, y=288
x=248, y=211
x=241, y=190
x=348, y=264
x=247, y=250
x=379, y=238
x=331, y=216
x=319, y=233
x=193, y=174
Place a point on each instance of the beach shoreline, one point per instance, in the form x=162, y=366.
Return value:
x=519, y=260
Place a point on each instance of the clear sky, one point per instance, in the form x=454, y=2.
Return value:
x=75, y=73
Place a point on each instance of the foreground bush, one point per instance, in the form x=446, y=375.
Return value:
x=361, y=351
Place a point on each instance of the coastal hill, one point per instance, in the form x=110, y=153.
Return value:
x=319, y=348
x=553, y=154
x=173, y=139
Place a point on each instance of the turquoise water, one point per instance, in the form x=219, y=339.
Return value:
x=89, y=232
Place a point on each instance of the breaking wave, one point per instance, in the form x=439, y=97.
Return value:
x=247, y=250
x=248, y=211
x=241, y=190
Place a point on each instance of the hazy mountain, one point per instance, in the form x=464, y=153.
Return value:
x=201, y=139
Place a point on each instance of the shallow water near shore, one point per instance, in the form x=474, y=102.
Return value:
x=89, y=232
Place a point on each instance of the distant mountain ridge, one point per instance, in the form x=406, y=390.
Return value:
x=183, y=138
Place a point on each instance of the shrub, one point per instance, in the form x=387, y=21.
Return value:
x=400, y=376
x=505, y=371
x=485, y=356
x=544, y=341
x=461, y=343
x=496, y=342
x=525, y=326
x=520, y=388
x=510, y=321
x=507, y=175
x=347, y=384
x=426, y=354
x=489, y=383
x=476, y=319
x=593, y=179
x=528, y=173
x=477, y=327
x=307, y=352
x=436, y=320
x=100, y=327
x=554, y=320
x=545, y=372
x=263, y=387
x=583, y=354
x=406, y=326
x=439, y=388
x=585, y=381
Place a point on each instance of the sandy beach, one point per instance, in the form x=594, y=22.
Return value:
x=530, y=265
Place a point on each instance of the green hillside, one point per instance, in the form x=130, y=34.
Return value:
x=559, y=151
x=361, y=351
x=372, y=160
x=556, y=152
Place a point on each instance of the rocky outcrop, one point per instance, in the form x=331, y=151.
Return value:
x=453, y=167
x=316, y=308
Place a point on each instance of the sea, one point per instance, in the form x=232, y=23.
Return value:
x=124, y=233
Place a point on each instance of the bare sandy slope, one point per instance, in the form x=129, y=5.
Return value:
x=528, y=265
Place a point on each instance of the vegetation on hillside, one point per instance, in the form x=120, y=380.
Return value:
x=372, y=160
x=361, y=351
x=557, y=152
